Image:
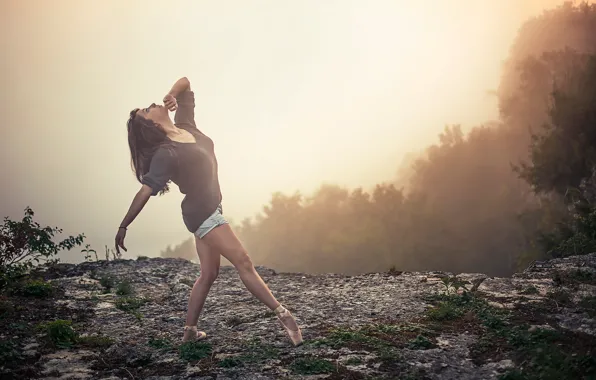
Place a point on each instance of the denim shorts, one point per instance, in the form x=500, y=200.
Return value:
x=216, y=219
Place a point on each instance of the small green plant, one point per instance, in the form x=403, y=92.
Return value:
x=530, y=290
x=37, y=288
x=258, y=351
x=107, y=282
x=444, y=311
x=192, y=351
x=311, y=366
x=159, y=343
x=231, y=362
x=354, y=361
x=420, y=343
x=88, y=251
x=130, y=304
x=60, y=333
x=454, y=284
x=124, y=288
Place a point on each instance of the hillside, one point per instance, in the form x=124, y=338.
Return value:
x=537, y=324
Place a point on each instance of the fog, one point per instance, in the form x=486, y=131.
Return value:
x=294, y=94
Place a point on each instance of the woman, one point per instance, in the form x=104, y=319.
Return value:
x=164, y=151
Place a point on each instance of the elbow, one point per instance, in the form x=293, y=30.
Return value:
x=186, y=82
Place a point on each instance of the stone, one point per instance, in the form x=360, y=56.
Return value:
x=244, y=333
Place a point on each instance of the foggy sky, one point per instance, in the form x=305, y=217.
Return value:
x=294, y=94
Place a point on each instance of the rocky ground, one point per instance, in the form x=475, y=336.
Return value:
x=123, y=320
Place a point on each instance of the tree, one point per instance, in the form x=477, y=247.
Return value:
x=563, y=159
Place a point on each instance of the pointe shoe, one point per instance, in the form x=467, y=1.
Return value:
x=294, y=335
x=198, y=335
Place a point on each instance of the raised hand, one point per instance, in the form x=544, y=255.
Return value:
x=169, y=101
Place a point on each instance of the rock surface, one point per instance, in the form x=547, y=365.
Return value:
x=245, y=341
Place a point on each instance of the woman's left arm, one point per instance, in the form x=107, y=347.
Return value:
x=135, y=208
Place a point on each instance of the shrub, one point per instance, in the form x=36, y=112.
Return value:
x=25, y=243
x=60, y=333
x=37, y=288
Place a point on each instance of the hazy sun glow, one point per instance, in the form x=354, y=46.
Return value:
x=294, y=93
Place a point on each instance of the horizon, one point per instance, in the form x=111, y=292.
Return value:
x=285, y=90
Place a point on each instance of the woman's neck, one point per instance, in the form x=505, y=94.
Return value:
x=171, y=130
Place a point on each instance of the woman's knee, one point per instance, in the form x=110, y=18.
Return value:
x=208, y=276
x=242, y=261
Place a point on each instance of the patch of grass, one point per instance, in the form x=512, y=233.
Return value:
x=311, y=366
x=354, y=361
x=95, y=341
x=193, y=351
x=344, y=337
x=255, y=352
x=420, y=343
x=530, y=290
x=160, y=344
x=37, y=288
x=444, y=311
x=231, y=362
x=130, y=304
x=547, y=354
x=107, y=282
x=142, y=258
x=258, y=351
x=538, y=353
x=124, y=288
x=59, y=333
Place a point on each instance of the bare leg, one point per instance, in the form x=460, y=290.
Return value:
x=224, y=241
x=210, y=262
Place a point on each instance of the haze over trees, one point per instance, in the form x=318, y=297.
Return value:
x=491, y=200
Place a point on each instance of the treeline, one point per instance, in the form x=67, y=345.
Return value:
x=491, y=200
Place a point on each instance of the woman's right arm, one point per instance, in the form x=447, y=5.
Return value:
x=184, y=103
x=135, y=208
x=181, y=85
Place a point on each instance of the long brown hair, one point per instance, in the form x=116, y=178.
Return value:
x=144, y=138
